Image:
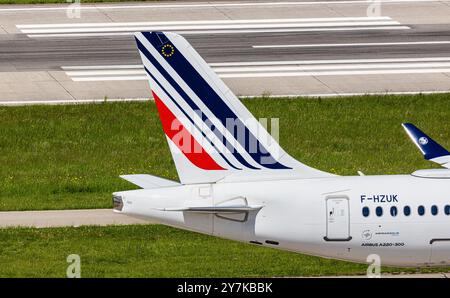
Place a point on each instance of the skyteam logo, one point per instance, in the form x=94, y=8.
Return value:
x=423, y=141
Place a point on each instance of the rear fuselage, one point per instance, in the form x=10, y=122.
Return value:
x=346, y=218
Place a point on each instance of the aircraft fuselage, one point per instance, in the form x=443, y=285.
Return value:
x=341, y=217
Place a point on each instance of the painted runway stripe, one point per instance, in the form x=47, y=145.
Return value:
x=314, y=95
x=124, y=72
x=336, y=61
x=96, y=67
x=243, y=31
x=368, y=44
x=213, y=26
x=335, y=73
x=275, y=68
x=255, y=63
x=203, y=22
x=280, y=74
x=107, y=78
x=250, y=69
x=206, y=5
x=233, y=69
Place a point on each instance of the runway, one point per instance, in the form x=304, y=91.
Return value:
x=272, y=48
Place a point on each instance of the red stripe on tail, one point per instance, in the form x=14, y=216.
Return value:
x=184, y=140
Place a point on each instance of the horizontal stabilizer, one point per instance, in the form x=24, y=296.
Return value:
x=149, y=181
x=430, y=149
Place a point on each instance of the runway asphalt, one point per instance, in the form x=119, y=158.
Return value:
x=297, y=47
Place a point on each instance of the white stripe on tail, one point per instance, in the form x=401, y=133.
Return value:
x=211, y=134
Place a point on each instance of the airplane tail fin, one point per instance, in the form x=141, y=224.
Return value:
x=430, y=149
x=210, y=133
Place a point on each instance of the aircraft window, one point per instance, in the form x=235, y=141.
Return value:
x=394, y=211
x=365, y=211
x=434, y=210
x=447, y=209
x=407, y=210
x=421, y=210
x=379, y=211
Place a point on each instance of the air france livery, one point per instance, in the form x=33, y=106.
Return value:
x=236, y=182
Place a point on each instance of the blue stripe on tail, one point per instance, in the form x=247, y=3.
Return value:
x=211, y=99
x=192, y=104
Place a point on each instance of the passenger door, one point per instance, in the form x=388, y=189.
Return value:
x=338, y=218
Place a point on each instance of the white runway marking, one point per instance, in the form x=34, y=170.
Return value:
x=211, y=22
x=370, y=44
x=210, y=27
x=333, y=73
x=213, y=26
x=205, y=5
x=313, y=95
x=112, y=78
x=124, y=72
x=276, y=68
x=242, y=31
x=338, y=61
x=86, y=67
x=277, y=73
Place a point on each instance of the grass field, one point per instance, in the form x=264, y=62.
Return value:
x=60, y=157
x=154, y=251
x=56, y=157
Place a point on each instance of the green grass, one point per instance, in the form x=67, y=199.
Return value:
x=58, y=157
x=154, y=251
